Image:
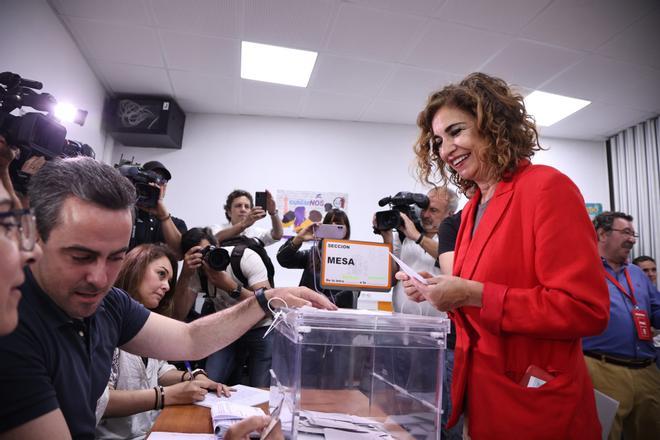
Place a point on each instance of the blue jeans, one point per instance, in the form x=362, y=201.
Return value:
x=455, y=433
x=226, y=365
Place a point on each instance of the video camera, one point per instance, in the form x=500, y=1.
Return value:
x=147, y=194
x=34, y=133
x=216, y=257
x=402, y=202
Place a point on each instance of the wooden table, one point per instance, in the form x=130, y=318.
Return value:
x=197, y=419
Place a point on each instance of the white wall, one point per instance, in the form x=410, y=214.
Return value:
x=36, y=46
x=366, y=160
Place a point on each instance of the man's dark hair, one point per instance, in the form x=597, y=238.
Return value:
x=80, y=177
x=641, y=259
x=605, y=220
x=193, y=236
x=234, y=195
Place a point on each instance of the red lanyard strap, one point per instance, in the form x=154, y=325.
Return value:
x=631, y=295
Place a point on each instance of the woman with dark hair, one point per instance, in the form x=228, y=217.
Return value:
x=139, y=387
x=292, y=257
x=526, y=284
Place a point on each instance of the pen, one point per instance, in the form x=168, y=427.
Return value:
x=187, y=364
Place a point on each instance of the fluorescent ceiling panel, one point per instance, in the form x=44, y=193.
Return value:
x=275, y=64
x=548, y=108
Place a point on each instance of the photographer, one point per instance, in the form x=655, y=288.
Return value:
x=419, y=250
x=242, y=214
x=212, y=271
x=157, y=225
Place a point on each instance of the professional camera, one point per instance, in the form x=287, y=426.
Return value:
x=34, y=133
x=216, y=257
x=402, y=202
x=147, y=194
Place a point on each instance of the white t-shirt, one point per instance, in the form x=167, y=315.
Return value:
x=129, y=373
x=253, y=269
x=414, y=256
x=252, y=232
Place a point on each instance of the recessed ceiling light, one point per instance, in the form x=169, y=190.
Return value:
x=275, y=64
x=548, y=108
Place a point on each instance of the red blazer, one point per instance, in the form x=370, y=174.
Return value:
x=535, y=250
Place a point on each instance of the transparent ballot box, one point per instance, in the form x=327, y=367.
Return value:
x=357, y=374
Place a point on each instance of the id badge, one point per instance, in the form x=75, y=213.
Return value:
x=642, y=324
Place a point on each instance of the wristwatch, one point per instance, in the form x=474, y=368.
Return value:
x=262, y=301
x=197, y=372
x=236, y=293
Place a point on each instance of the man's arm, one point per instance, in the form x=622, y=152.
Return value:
x=166, y=338
x=171, y=233
x=429, y=245
x=278, y=230
x=51, y=425
x=238, y=228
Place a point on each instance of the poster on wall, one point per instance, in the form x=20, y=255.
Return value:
x=593, y=209
x=300, y=208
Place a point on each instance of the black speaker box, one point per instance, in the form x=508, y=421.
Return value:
x=145, y=121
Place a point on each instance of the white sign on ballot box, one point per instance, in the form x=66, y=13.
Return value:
x=356, y=265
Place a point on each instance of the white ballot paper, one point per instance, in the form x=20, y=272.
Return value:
x=242, y=394
x=408, y=270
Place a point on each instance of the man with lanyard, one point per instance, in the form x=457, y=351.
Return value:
x=621, y=359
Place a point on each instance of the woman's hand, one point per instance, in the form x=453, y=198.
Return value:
x=185, y=392
x=222, y=389
x=305, y=234
x=444, y=292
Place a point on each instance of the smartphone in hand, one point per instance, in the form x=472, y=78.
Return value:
x=260, y=199
x=330, y=231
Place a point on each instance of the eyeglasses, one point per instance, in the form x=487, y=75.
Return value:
x=628, y=232
x=21, y=226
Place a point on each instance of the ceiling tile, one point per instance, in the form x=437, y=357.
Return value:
x=300, y=24
x=585, y=24
x=199, y=93
x=492, y=15
x=140, y=80
x=548, y=61
x=609, y=81
x=373, y=34
x=418, y=7
x=205, y=17
x=634, y=45
x=260, y=98
x=349, y=76
x=410, y=84
x=595, y=122
x=219, y=56
x=455, y=48
x=323, y=105
x=119, y=11
x=392, y=112
x=115, y=42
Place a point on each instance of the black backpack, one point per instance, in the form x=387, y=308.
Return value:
x=241, y=243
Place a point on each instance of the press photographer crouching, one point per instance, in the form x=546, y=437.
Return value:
x=153, y=221
x=217, y=271
x=416, y=242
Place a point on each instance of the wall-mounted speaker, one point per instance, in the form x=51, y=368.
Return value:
x=145, y=121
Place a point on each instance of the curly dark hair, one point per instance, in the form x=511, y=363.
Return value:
x=501, y=119
x=234, y=195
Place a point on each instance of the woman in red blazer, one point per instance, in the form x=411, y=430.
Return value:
x=527, y=282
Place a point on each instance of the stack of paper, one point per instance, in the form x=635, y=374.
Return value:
x=224, y=414
x=242, y=394
x=335, y=426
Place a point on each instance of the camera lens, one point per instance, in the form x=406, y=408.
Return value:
x=217, y=258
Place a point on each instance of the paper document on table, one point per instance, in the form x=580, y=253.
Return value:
x=180, y=436
x=224, y=414
x=408, y=270
x=243, y=395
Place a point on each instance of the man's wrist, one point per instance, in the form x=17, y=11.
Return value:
x=420, y=238
x=262, y=300
x=272, y=213
x=165, y=217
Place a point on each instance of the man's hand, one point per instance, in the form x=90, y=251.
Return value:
x=242, y=429
x=33, y=164
x=219, y=278
x=160, y=210
x=298, y=297
x=386, y=234
x=256, y=213
x=408, y=228
x=271, y=206
x=192, y=260
x=444, y=292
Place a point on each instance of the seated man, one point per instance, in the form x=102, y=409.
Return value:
x=56, y=365
x=157, y=225
x=242, y=214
